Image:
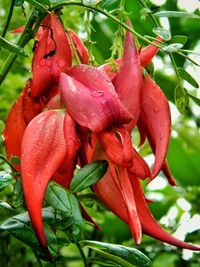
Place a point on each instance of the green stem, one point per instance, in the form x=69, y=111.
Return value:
x=25, y=37
x=89, y=41
x=82, y=254
x=156, y=23
x=77, y=57
x=8, y=18
x=175, y=68
x=105, y=13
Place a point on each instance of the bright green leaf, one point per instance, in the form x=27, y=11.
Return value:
x=181, y=99
x=187, y=77
x=172, y=47
x=195, y=99
x=89, y=175
x=179, y=39
x=177, y=14
x=165, y=34
x=121, y=255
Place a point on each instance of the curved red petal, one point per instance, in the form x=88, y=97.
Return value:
x=91, y=99
x=128, y=81
x=43, y=151
x=156, y=119
x=149, y=224
x=46, y=66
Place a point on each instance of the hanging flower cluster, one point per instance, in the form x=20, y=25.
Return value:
x=68, y=115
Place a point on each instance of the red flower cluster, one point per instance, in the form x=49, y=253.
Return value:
x=67, y=115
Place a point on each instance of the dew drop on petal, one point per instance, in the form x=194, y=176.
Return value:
x=156, y=109
x=61, y=63
x=42, y=62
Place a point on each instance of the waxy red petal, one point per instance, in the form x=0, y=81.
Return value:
x=146, y=55
x=155, y=115
x=149, y=52
x=91, y=99
x=149, y=224
x=14, y=130
x=43, y=151
x=46, y=68
x=118, y=146
x=128, y=81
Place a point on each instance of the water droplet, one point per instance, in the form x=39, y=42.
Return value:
x=49, y=62
x=162, y=123
x=156, y=109
x=161, y=137
x=61, y=63
x=98, y=93
x=42, y=62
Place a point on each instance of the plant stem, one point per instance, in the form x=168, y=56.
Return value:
x=25, y=37
x=82, y=254
x=143, y=3
x=175, y=68
x=105, y=13
x=8, y=162
x=8, y=18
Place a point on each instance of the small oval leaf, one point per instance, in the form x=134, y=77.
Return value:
x=121, y=255
x=58, y=198
x=172, y=47
x=177, y=14
x=5, y=179
x=165, y=34
x=179, y=39
x=195, y=99
x=187, y=77
x=181, y=99
x=89, y=175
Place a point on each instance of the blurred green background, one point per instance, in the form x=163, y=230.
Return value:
x=176, y=208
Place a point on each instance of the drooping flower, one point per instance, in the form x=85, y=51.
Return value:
x=52, y=56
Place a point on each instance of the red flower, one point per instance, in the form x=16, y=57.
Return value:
x=52, y=56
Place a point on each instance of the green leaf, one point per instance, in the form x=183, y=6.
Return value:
x=76, y=228
x=89, y=175
x=38, y=4
x=12, y=47
x=19, y=2
x=121, y=255
x=195, y=99
x=165, y=34
x=179, y=39
x=181, y=99
x=58, y=198
x=18, y=195
x=172, y=47
x=177, y=14
x=5, y=179
x=91, y=2
x=187, y=77
x=66, y=202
